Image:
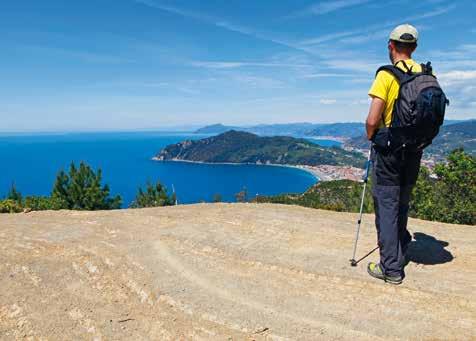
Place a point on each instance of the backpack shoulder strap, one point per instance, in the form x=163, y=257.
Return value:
x=395, y=71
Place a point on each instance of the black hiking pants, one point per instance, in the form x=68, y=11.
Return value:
x=393, y=176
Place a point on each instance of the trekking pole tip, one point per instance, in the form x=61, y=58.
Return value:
x=353, y=262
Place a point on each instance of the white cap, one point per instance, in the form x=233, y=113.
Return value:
x=405, y=33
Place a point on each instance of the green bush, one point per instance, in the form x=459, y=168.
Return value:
x=10, y=206
x=41, y=203
x=451, y=196
x=153, y=196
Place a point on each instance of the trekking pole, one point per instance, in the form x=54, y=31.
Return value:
x=353, y=262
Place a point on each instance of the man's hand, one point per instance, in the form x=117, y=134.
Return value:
x=375, y=116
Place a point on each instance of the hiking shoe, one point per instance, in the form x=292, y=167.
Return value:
x=375, y=270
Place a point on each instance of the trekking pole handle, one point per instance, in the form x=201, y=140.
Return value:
x=367, y=166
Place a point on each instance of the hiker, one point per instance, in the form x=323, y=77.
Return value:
x=397, y=145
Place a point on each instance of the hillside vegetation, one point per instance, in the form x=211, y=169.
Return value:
x=337, y=195
x=242, y=147
x=450, y=197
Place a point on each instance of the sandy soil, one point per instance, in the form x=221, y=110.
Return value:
x=226, y=272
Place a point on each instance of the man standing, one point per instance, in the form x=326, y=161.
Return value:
x=394, y=171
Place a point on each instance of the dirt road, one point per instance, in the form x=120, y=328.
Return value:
x=226, y=272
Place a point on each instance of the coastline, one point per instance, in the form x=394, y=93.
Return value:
x=320, y=173
x=315, y=174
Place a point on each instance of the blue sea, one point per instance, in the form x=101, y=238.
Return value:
x=31, y=162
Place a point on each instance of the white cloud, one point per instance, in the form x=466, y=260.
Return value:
x=235, y=65
x=132, y=84
x=258, y=82
x=359, y=66
x=188, y=91
x=327, y=101
x=365, y=101
x=457, y=76
x=325, y=75
x=366, y=81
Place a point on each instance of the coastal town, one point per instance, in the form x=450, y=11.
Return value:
x=329, y=173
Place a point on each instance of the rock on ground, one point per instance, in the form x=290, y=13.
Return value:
x=227, y=272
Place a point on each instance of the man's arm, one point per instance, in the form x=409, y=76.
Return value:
x=375, y=116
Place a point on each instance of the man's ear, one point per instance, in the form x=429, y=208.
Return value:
x=391, y=45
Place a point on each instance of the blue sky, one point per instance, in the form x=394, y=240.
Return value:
x=135, y=64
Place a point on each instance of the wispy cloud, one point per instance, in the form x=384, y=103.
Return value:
x=327, y=101
x=325, y=75
x=325, y=7
x=359, y=66
x=236, y=65
x=258, y=81
x=373, y=29
x=188, y=91
x=132, y=84
x=218, y=22
x=175, y=10
x=362, y=38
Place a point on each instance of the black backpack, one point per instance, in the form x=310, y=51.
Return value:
x=419, y=110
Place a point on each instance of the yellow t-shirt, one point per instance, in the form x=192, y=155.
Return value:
x=386, y=87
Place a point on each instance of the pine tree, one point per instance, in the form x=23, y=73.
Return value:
x=81, y=190
x=15, y=195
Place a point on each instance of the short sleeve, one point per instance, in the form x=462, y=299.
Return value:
x=380, y=86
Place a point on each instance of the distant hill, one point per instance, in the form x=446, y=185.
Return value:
x=349, y=130
x=216, y=129
x=291, y=129
x=452, y=135
x=243, y=147
x=344, y=130
x=359, y=142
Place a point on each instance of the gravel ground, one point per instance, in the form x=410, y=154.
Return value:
x=227, y=272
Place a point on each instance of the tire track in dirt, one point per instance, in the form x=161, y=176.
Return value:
x=317, y=286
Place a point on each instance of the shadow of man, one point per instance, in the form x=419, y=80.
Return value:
x=427, y=250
